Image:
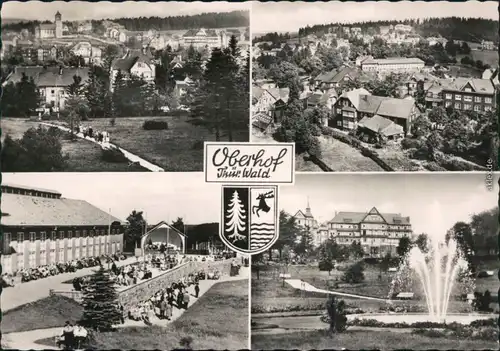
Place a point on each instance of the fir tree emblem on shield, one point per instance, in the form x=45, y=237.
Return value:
x=249, y=218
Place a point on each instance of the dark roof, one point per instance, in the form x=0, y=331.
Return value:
x=130, y=59
x=50, y=76
x=385, y=106
x=32, y=211
x=358, y=217
x=48, y=26
x=261, y=121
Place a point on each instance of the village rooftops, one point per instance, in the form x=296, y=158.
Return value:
x=130, y=59
x=47, y=26
x=385, y=106
x=261, y=121
x=353, y=96
x=49, y=76
x=22, y=210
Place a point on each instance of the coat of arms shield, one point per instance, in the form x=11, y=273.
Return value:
x=249, y=222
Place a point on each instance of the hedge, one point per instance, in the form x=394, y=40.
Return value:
x=155, y=125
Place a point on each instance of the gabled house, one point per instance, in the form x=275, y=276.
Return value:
x=474, y=94
x=354, y=105
x=182, y=86
x=379, y=127
x=135, y=62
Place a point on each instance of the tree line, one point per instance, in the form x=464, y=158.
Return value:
x=468, y=29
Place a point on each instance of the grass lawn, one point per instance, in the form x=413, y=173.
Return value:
x=269, y=294
x=83, y=155
x=365, y=340
x=49, y=312
x=343, y=158
x=173, y=149
x=487, y=56
x=218, y=320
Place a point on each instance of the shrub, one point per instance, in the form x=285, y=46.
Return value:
x=155, y=125
x=325, y=265
x=177, y=113
x=433, y=166
x=113, y=155
x=112, y=122
x=354, y=274
x=410, y=143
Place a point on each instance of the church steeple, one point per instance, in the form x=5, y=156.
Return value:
x=308, y=209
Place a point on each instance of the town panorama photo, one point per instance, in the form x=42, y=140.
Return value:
x=378, y=86
x=121, y=87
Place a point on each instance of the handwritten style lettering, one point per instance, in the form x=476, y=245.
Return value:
x=237, y=159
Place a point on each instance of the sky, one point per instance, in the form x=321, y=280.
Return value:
x=290, y=16
x=433, y=201
x=80, y=10
x=162, y=196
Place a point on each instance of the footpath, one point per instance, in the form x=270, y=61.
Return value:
x=130, y=156
x=26, y=340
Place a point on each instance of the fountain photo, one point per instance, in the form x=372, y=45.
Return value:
x=400, y=261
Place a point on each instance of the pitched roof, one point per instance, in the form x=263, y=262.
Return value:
x=358, y=217
x=201, y=32
x=126, y=63
x=45, y=26
x=392, y=107
x=50, y=76
x=394, y=60
x=40, y=211
x=381, y=105
x=379, y=124
x=280, y=93
x=484, y=86
x=257, y=92
x=261, y=121
x=353, y=95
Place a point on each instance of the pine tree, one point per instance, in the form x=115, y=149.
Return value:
x=100, y=303
x=236, y=215
x=27, y=95
x=119, y=105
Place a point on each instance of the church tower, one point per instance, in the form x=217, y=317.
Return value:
x=308, y=209
x=59, y=25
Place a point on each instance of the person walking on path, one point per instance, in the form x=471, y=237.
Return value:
x=196, y=290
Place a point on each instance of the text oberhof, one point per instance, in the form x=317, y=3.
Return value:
x=249, y=163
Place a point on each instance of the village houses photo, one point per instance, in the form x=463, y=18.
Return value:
x=375, y=93
x=121, y=86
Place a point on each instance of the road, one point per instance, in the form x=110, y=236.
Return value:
x=130, y=156
x=26, y=340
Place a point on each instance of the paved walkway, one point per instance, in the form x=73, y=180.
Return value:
x=130, y=156
x=34, y=290
x=302, y=285
x=26, y=340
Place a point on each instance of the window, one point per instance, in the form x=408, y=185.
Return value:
x=52, y=91
x=457, y=105
x=92, y=233
x=53, y=236
x=467, y=89
x=70, y=234
x=477, y=108
x=487, y=100
x=61, y=234
x=20, y=237
x=339, y=123
x=458, y=97
x=77, y=233
x=467, y=106
x=32, y=237
x=7, y=238
x=468, y=98
x=43, y=236
x=448, y=103
x=448, y=96
x=84, y=233
x=477, y=99
x=487, y=108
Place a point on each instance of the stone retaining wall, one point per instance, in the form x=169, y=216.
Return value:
x=135, y=294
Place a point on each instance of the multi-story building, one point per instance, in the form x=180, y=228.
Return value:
x=40, y=227
x=487, y=45
x=51, y=30
x=307, y=220
x=394, y=64
x=90, y=54
x=201, y=38
x=354, y=105
x=52, y=82
x=469, y=94
x=47, y=53
x=378, y=233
